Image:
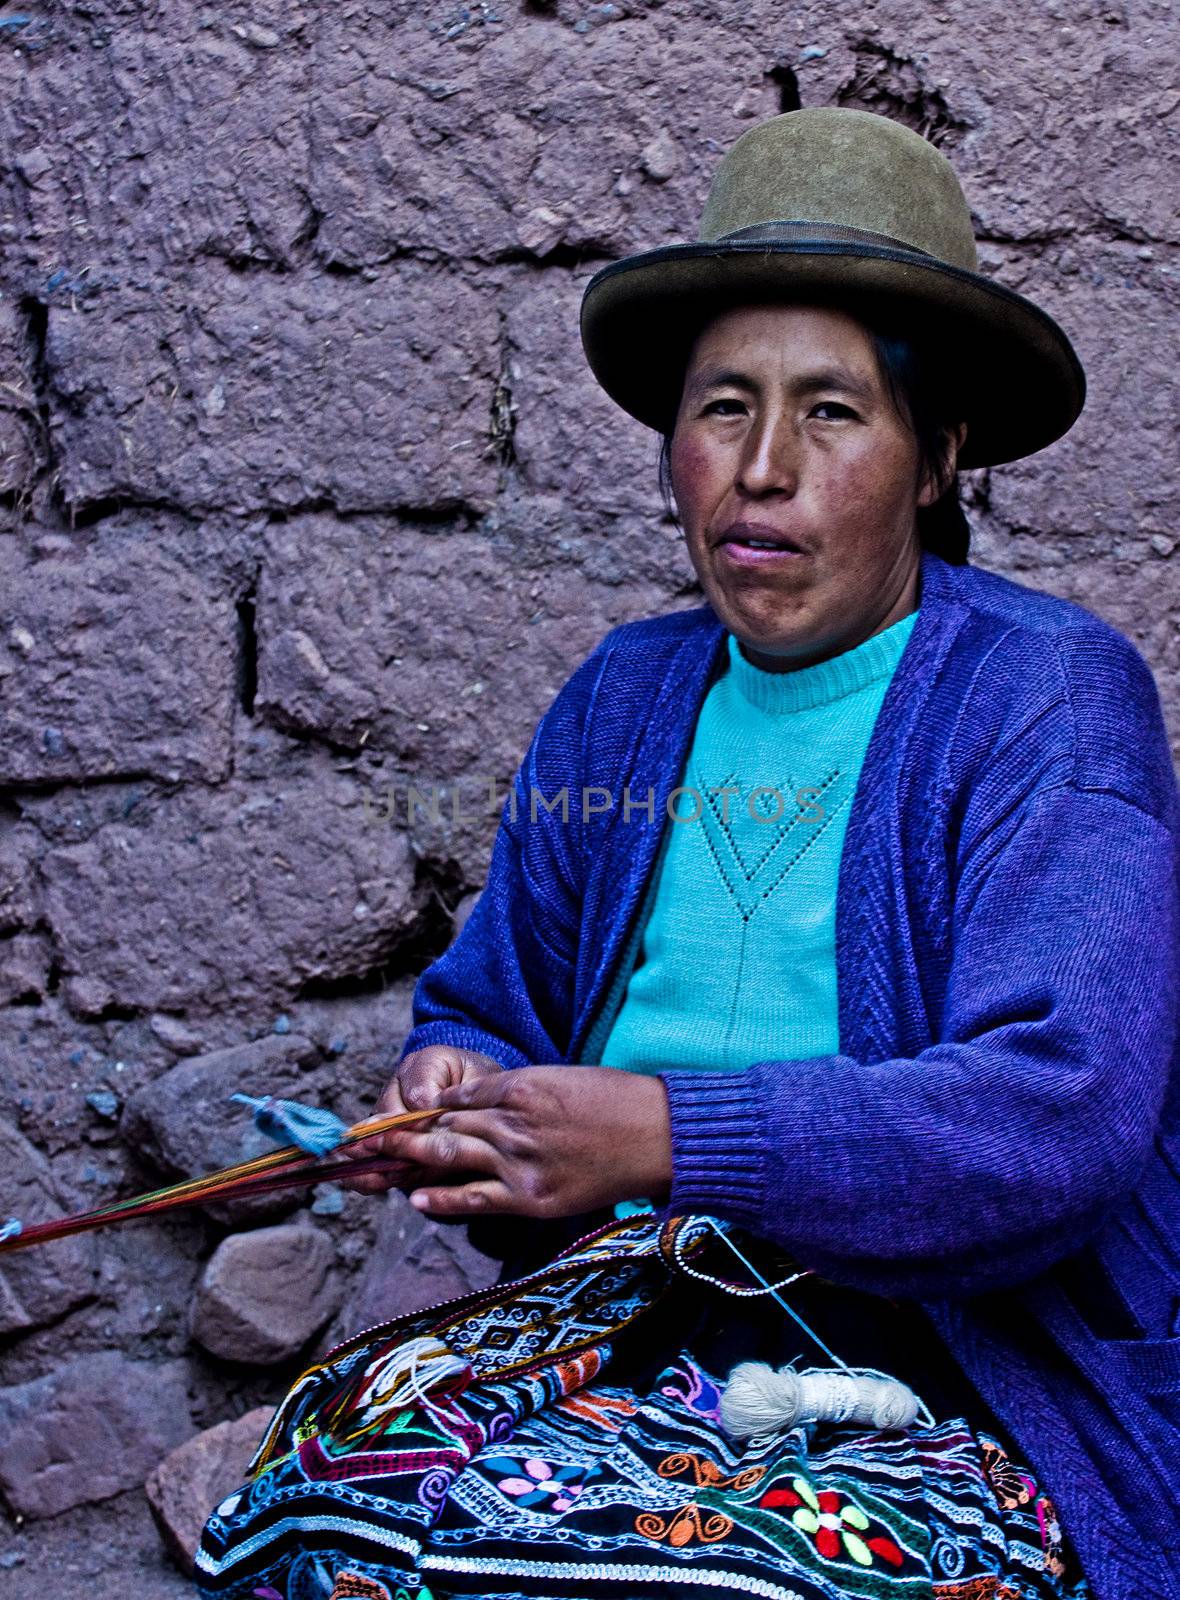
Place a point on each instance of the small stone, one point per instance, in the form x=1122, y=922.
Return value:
x=282, y=1025
x=197, y=1476
x=265, y=1294
x=104, y=1103
x=25, y=962
x=254, y=33
x=304, y=657
x=541, y=230
x=328, y=1202
x=176, y=1035
x=661, y=157
x=748, y=103
x=87, y=997
x=1162, y=544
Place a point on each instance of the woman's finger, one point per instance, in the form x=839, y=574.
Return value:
x=496, y=1126
x=444, y=1148
x=371, y=1182
x=480, y=1093
x=395, y=1175
x=485, y=1198
x=391, y=1100
x=422, y=1077
x=389, y=1104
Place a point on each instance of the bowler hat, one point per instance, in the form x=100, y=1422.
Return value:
x=844, y=208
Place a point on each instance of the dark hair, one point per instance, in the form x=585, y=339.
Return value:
x=923, y=396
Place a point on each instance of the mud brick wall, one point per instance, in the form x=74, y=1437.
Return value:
x=306, y=497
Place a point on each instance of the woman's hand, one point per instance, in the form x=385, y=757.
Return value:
x=546, y=1141
x=417, y=1084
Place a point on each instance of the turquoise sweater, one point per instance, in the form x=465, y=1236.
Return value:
x=751, y=869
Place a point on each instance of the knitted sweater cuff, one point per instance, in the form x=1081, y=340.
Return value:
x=718, y=1160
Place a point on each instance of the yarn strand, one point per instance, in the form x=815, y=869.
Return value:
x=760, y=1399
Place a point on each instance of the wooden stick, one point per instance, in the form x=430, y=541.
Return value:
x=280, y=1169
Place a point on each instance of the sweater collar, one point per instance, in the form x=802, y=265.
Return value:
x=805, y=687
x=939, y=592
x=679, y=685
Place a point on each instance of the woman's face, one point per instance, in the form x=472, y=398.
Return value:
x=786, y=437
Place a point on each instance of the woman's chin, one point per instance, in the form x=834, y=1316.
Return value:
x=778, y=628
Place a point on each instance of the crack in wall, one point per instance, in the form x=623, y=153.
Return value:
x=247, y=637
x=892, y=85
x=787, y=84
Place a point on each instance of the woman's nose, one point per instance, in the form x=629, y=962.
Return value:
x=769, y=462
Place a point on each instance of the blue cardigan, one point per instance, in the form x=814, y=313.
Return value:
x=999, y=1137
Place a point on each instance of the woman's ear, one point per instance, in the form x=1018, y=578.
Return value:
x=934, y=486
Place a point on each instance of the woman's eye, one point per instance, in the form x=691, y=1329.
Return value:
x=834, y=409
x=727, y=406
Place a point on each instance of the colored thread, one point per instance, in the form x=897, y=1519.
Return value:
x=739, y=1289
x=395, y=1385
x=290, y=1167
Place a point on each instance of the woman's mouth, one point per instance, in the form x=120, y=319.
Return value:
x=750, y=544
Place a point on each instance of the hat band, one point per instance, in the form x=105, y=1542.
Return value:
x=782, y=232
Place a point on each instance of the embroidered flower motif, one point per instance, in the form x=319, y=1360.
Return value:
x=832, y=1525
x=536, y=1483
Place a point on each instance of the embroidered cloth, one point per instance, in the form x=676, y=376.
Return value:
x=518, y=1443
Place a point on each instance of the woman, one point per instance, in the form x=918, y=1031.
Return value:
x=842, y=909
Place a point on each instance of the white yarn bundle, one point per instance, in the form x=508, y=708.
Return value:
x=759, y=1399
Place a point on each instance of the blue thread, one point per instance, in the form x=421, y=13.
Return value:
x=12, y=1229
x=287, y=1122
x=924, y=1411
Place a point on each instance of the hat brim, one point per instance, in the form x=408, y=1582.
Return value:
x=1020, y=384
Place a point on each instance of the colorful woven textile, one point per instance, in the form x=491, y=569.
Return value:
x=499, y=1447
